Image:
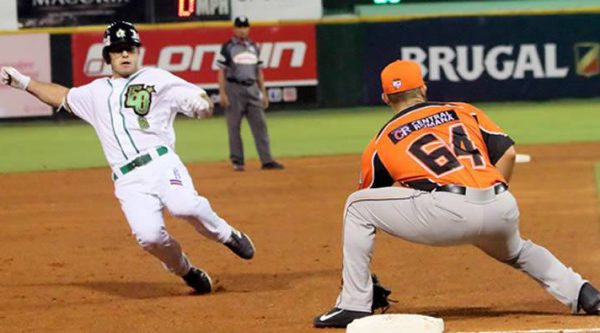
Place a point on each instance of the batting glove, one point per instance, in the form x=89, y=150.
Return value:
x=12, y=77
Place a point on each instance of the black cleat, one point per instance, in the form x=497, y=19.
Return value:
x=237, y=167
x=589, y=299
x=198, y=280
x=272, y=166
x=338, y=318
x=240, y=244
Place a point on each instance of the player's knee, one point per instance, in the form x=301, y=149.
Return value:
x=190, y=206
x=356, y=197
x=353, y=206
x=150, y=240
x=349, y=202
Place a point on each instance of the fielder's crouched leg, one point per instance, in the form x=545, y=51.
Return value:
x=540, y=264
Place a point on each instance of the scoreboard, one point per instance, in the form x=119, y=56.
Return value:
x=192, y=10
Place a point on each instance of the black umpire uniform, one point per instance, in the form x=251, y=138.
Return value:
x=242, y=93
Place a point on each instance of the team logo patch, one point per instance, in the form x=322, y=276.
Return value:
x=143, y=123
x=139, y=98
x=176, y=180
x=397, y=83
x=245, y=58
x=120, y=33
x=587, y=59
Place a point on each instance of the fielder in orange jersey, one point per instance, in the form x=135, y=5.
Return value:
x=452, y=166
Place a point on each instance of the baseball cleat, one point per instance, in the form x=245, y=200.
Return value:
x=338, y=318
x=237, y=167
x=198, y=280
x=589, y=299
x=272, y=166
x=240, y=244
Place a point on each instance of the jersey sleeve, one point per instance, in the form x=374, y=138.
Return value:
x=373, y=173
x=79, y=101
x=178, y=90
x=496, y=140
x=224, y=58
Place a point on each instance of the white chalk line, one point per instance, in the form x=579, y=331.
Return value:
x=559, y=330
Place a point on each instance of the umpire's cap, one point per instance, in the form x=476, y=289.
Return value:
x=241, y=21
x=119, y=32
x=401, y=75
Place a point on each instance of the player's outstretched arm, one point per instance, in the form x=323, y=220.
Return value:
x=506, y=163
x=197, y=106
x=49, y=93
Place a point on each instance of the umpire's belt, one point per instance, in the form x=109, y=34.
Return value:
x=140, y=161
x=458, y=189
x=246, y=83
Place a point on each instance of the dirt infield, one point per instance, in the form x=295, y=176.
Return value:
x=69, y=264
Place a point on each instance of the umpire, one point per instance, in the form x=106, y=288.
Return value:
x=242, y=93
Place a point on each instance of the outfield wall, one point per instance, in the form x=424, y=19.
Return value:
x=477, y=58
x=494, y=58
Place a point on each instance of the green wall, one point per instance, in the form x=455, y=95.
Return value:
x=339, y=55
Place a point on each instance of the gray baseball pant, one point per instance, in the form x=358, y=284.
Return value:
x=481, y=218
x=245, y=100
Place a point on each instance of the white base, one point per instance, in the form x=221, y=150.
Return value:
x=523, y=158
x=396, y=323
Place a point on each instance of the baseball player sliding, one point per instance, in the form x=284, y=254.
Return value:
x=133, y=113
x=452, y=165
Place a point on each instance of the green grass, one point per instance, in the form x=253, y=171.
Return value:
x=65, y=145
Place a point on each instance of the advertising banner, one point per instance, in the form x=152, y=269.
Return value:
x=288, y=54
x=30, y=54
x=491, y=58
x=53, y=13
x=8, y=15
x=271, y=10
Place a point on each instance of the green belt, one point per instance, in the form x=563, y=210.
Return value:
x=140, y=161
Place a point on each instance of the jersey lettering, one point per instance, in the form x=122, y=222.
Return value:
x=441, y=160
x=440, y=118
x=463, y=146
x=432, y=153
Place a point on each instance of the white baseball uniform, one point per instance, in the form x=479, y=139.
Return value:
x=133, y=118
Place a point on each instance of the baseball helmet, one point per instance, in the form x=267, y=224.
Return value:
x=119, y=32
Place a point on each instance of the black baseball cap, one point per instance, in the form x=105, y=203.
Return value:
x=241, y=21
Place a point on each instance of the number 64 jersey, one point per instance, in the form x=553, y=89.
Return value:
x=428, y=145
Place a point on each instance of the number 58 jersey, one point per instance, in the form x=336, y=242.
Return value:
x=428, y=145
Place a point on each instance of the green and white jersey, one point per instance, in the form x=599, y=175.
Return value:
x=135, y=114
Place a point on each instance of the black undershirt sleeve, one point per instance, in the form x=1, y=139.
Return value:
x=497, y=145
x=381, y=176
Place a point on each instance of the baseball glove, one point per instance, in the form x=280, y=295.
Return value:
x=380, y=296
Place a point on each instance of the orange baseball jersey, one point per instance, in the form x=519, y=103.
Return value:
x=432, y=144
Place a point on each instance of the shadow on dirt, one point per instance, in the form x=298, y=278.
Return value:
x=222, y=283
